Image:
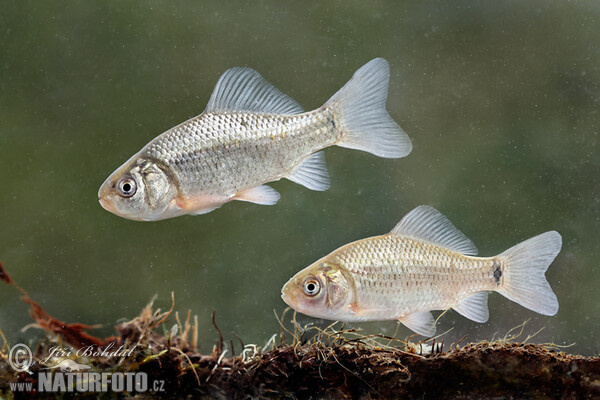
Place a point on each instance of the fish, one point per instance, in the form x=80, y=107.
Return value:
x=250, y=134
x=425, y=263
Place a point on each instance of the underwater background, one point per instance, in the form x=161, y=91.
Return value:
x=500, y=99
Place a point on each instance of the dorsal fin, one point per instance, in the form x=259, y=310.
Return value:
x=244, y=89
x=428, y=224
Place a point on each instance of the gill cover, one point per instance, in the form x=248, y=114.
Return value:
x=152, y=199
x=334, y=294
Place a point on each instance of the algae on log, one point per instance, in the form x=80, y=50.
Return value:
x=330, y=364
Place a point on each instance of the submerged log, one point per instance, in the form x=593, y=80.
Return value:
x=331, y=366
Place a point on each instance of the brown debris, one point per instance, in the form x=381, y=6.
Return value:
x=4, y=275
x=313, y=363
x=74, y=333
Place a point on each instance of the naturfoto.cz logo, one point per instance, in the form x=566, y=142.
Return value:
x=69, y=376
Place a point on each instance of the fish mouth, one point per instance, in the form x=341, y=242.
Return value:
x=103, y=196
x=107, y=205
x=289, y=293
x=287, y=298
x=292, y=301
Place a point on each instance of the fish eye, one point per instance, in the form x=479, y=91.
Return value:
x=311, y=287
x=127, y=187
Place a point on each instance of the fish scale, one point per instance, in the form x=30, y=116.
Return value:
x=400, y=273
x=251, y=134
x=423, y=264
x=249, y=149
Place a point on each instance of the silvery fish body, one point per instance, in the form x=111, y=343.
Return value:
x=217, y=153
x=403, y=274
x=424, y=264
x=251, y=134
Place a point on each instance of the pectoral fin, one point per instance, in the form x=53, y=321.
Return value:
x=369, y=312
x=201, y=204
x=421, y=322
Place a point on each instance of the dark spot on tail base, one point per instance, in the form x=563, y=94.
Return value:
x=497, y=272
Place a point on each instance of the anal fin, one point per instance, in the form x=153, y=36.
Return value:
x=421, y=322
x=474, y=307
x=312, y=172
x=262, y=194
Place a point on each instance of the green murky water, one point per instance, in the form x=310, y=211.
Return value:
x=501, y=101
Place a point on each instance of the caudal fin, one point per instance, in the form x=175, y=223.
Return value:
x=525, y=265
x=360, y=108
